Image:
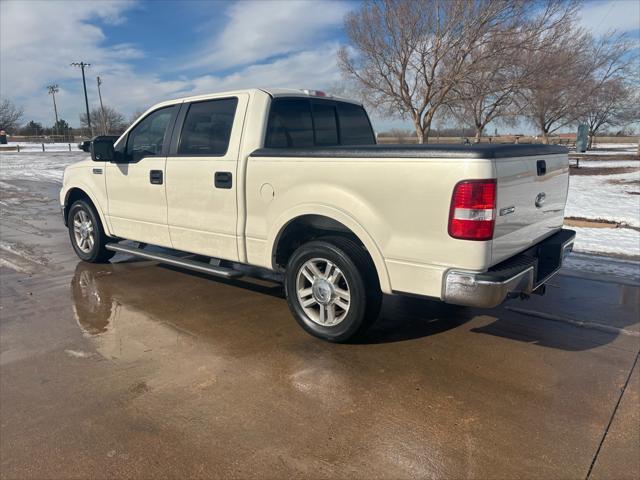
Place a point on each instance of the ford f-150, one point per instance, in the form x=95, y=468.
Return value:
x=293, y=182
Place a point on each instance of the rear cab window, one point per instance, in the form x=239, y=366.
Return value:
x=299, y=122
x=355, y=128
x=325, y=122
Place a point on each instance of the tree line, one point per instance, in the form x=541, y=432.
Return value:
x=106, y=121
x=475, y=62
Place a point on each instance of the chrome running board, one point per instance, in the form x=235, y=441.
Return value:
x=175, y=261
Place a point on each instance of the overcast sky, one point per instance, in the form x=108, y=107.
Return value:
x=148, y=51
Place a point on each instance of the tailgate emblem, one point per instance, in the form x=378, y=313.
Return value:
x=507, y=211
x=540, y=198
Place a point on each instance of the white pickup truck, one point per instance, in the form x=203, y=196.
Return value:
x=292, y=181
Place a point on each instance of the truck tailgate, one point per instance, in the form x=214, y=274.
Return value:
x=531, y=197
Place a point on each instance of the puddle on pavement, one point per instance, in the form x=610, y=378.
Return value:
x=134, y=313
x=118, y=331
x=629, y=296
x=193, y=349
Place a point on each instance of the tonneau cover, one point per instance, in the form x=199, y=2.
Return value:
x=478, y=150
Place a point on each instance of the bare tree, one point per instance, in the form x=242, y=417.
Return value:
x=485, y=96
x=10, y=115
x=571, y=69
x=408, y=55
x=136, y=115
x=613, y=104
x=490, y=90
x=114, y=121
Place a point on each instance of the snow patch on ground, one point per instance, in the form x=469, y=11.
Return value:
x=20, y=258
x=605, y=197
x=22, y=252
x=581, y=263
x=591, y=153
x=48, y=166
x=604, y=145
x=13, y=266
x=78, y=353
x=609, y=163
x=10, y=186
x=618, y=241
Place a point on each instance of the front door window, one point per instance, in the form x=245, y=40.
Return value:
x=147, y=138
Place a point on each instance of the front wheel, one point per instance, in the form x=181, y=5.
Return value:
x=332, y=289
x=86, y=233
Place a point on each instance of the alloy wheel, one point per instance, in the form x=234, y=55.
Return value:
x=323, y=292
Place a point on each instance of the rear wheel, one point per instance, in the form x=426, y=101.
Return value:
x=332, y=289
x=86, y=233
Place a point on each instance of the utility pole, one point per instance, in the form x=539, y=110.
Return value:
x=104, y=118
x=84, y=84
x=53, y=89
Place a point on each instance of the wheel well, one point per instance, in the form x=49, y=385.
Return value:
x=73, y=196
x=304, y=229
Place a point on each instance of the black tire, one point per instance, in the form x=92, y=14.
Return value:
x=95, y=252
x=360, y=279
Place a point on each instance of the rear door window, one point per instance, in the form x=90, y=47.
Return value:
x=355, y=128
x=207, y=127
x=289, y=124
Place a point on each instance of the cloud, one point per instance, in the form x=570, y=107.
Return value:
x=260, y=30
x=602, y=16
x=40, y=40
x=313, y=69
x=267, y=44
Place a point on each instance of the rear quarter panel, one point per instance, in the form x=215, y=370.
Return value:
x=401, y=204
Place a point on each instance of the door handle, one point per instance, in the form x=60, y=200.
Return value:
x=155, y=177
x=541, y=167
x=223, y=180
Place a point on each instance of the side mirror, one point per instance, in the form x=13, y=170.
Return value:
x=85, y=146
x=102, y=149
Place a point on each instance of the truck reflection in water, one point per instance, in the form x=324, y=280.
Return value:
x=176, y=345
x=118, y=331
x=224, y=313
x=92, y=309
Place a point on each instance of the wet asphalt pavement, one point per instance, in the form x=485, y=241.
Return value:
x=132, y=369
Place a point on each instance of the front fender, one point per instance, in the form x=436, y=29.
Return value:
x=64, y=196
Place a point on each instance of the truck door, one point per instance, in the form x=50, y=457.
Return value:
x=137, y=201
x=202, y=176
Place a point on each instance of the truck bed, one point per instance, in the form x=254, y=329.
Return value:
x=481, y=150
x=532, y=184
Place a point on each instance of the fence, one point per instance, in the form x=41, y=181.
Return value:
x=46, y=138
x=40, y=147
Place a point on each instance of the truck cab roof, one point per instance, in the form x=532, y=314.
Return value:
x=272, y=92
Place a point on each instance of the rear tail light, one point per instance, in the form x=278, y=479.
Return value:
x=473, y=210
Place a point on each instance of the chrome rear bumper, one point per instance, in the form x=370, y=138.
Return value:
x=522, y=274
